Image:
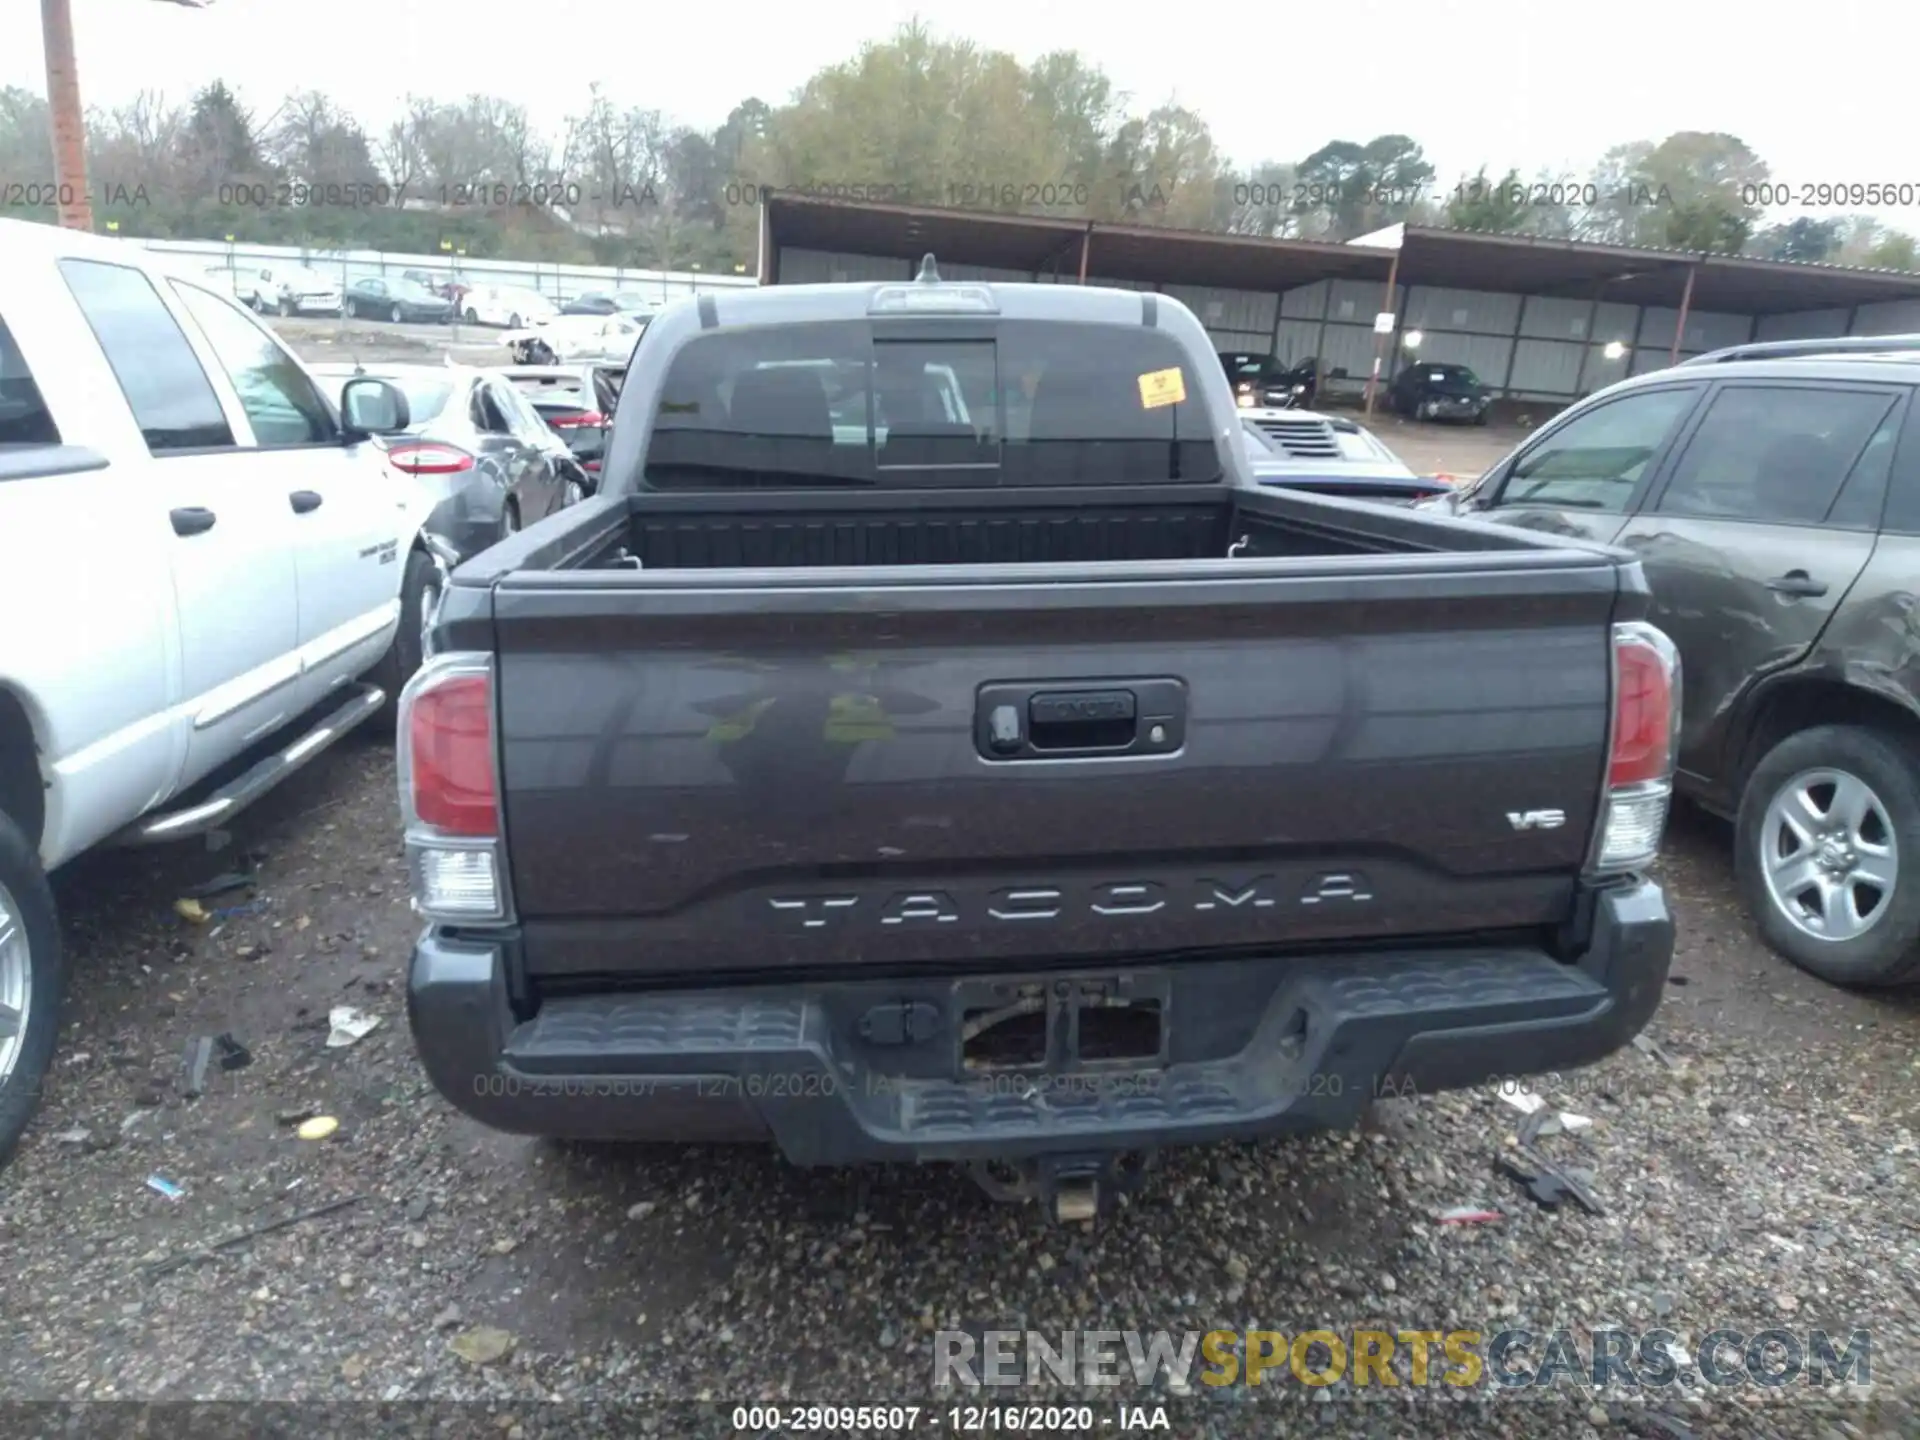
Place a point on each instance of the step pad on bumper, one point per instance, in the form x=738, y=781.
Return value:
x=626, y=1028
x=1328, y=1033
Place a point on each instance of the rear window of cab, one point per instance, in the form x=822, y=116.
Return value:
x=1026, y=403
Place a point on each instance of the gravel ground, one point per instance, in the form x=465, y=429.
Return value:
x=1760, y=1174
x=1756, y=1170
x=325, y=339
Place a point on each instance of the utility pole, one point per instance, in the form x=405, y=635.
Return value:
x=68, y=117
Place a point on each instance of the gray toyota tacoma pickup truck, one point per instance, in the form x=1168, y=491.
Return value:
x=931, y=745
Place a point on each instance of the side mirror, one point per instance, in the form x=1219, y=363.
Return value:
x=372, y=407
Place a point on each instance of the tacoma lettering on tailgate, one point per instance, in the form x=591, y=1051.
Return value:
x=1114, y=898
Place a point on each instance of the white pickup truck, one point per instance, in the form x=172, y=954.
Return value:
x=208, y=574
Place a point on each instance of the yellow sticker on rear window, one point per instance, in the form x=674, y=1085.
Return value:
x=1162, y=387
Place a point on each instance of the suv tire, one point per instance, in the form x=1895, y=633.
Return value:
x=1868, y=781
x=419, y=593
x=29, y=937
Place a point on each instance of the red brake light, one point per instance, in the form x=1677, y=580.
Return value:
x=593, y=467
x=570, y=422
x=1643, y=709
x=450, y=753
x=429, y=458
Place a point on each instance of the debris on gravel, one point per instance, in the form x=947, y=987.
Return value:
x=543, y=1280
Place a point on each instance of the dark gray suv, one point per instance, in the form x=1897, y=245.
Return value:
x=1772, y=493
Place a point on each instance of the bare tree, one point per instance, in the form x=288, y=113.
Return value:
x=138, y=146
x=617, y=158
x=402, y=151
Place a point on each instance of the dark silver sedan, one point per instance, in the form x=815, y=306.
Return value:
x=398, y=301
x=493, y=462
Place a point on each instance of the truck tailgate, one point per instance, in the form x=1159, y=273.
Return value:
x=770, y=771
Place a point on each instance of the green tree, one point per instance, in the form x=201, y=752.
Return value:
x=1895, y=250
x=1258, y=202
x=1348, y=189
x=26, y=137
x=1160, y=169
x=1804, y=239
x=916, y=117
x=1692, y=191
x=1499, y=206
x=1074, y=102
x=219, y=145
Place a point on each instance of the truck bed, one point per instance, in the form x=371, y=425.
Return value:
x=665, y=532
x=754, y=531
x=761, y=749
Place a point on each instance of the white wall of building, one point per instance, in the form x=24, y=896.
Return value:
x=559, y=282
x=820, y=267
x=1532, y=347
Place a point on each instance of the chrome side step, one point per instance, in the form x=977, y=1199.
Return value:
x=199, y=816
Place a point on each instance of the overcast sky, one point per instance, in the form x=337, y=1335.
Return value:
x=1823, y=97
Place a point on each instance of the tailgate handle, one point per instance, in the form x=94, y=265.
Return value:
x=1082, y=720
x=1025, y=721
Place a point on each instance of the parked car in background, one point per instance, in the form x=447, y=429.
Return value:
x=1774, y=502
x=302, y=291
x=1440, y=392
x=573, y=338
x=445, y=286
x=507, y=305
x=594, y=302
x=1330, y=455
x=1268, y=382
x=251, y=287
x=602, y=302
x=210, y=577
x=491, y=463
x=576, y=401
x=398, y=301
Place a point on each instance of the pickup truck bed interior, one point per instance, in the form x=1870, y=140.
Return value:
x=759, y=531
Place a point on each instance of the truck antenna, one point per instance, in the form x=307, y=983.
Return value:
x=929, y=272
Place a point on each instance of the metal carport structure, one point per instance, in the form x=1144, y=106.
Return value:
x=1536, y=318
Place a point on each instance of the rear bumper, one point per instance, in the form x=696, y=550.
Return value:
x=1252, y=1047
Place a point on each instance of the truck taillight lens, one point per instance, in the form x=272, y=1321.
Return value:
x=450, y=736
x=450, y=789
x=1641, y=746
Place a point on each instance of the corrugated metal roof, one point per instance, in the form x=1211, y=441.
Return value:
x=1429, y=255
x=1641, y=274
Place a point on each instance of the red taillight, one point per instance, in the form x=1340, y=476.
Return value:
x=576, y=422
x=593, y=467
x=429, y=458
x=1643, y=708
x=450, y=755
